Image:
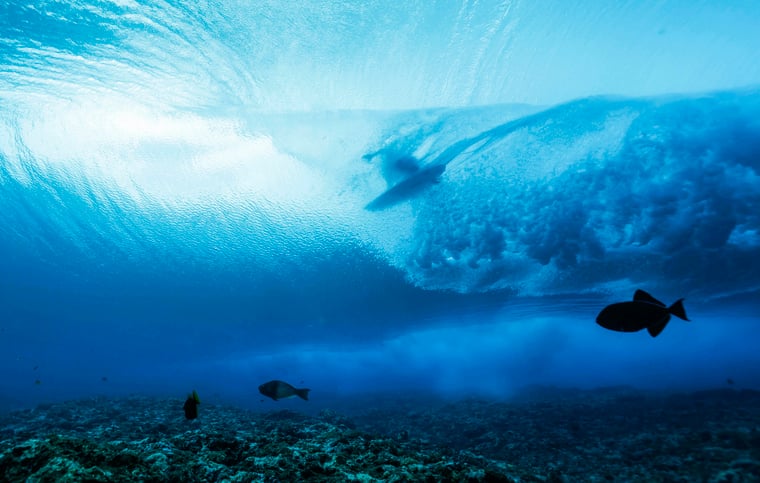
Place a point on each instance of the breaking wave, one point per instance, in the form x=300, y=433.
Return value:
x=203, y=156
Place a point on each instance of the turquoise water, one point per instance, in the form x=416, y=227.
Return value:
x=435, y=196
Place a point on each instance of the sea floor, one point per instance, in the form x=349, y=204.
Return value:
x=544, y=434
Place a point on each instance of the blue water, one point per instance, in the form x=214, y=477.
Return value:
x=378, y=196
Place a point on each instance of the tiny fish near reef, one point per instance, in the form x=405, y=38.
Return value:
x=191, y=405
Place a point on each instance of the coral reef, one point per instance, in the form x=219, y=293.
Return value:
x=610, y=434
x=139, y=438
x=544, y=435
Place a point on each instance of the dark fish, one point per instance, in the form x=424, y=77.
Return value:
x=645, y=312
x=280, y=390
x=730, y=381
x=191, y=405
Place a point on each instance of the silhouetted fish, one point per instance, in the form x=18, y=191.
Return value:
x=645, y=312
x=191, y=405
x=280, y=390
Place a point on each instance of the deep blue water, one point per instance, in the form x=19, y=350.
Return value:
x=379, y=196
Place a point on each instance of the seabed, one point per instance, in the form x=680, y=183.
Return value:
x=540, y=435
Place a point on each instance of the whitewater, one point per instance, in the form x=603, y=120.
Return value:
x=379, y=195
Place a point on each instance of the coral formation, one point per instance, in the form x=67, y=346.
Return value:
x=544, y=435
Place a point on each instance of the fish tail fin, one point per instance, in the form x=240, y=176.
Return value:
x=678, y=310
x=303, y=394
